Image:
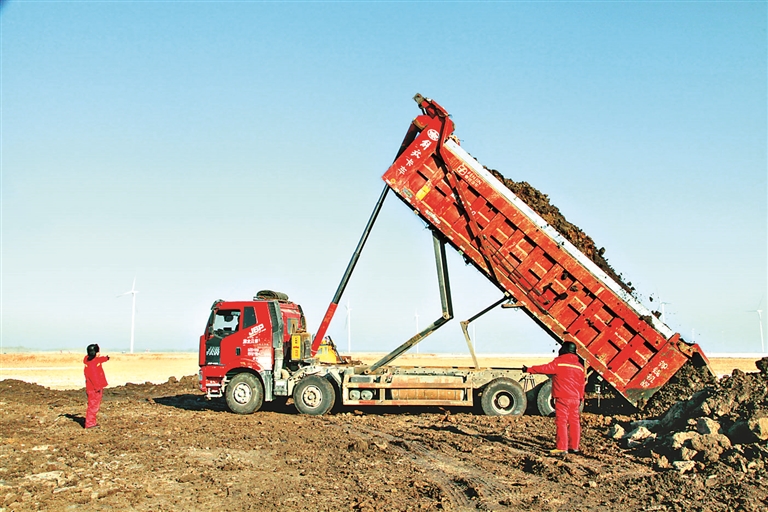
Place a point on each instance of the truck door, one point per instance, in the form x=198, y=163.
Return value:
x=255, y=336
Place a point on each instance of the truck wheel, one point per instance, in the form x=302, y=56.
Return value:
x=544, y=401
x=314, y=395
x=245, y=394
x=503, y=397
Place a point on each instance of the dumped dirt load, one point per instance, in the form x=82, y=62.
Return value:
x=539, y=202
x=165, y=447
x=688, y=380
x=722, y=430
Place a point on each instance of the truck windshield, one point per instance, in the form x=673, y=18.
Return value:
x=226, y=321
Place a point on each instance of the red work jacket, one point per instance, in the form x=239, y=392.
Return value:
x=95, y=379
x=567, y=376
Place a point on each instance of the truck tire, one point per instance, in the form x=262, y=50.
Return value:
x=544, y=401
x=314, y=395
x=531, y=395
x=503, y=397
x=245, y=394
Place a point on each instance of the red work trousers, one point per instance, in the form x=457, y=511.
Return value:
x=94, y=402
x=568, y=423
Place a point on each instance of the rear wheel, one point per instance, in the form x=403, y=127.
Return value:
x=544, y=401
x=245, y=394
x=314, y=395
x=503, y=397
x=530, y=396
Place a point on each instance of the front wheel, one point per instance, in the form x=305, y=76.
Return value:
x=503, y=397
x=245, y=394
x=314, y=395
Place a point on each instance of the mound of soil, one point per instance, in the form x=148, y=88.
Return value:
x=688, y=380
x=722, y=429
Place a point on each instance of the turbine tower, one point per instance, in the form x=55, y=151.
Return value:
x=664, y=313
x=760, y=319
x=132, y=292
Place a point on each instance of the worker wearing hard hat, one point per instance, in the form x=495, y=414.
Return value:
x=567, y=372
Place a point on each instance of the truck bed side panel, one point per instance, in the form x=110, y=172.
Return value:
x=556, y=284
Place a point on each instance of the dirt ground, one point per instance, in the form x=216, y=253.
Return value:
x=165, y=447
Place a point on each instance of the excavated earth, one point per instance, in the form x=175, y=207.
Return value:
x=165, y=447
x=539, y=202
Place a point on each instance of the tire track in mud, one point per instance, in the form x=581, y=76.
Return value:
x=469, y=486
x=529, y=451
x=466, y=486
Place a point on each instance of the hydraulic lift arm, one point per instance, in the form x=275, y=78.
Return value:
x=445, y=302
x=318, y=339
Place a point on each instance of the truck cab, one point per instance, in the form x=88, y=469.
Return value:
x=249, y=341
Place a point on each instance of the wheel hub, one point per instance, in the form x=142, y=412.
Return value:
x=242, y=393
x=312, y=396
x=503, y=401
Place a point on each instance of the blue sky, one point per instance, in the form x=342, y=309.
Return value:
x=214, y=149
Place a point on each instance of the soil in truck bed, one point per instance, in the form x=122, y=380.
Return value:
x=165, y=447
x=539, y=202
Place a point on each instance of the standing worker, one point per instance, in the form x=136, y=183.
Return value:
x=567, y=373
x=95, y=382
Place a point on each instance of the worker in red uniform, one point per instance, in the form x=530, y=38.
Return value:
x=95, y=382
x=567, y=372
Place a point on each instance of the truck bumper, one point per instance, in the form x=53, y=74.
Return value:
x=210, y=384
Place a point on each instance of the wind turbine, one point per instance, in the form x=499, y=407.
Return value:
x=760, y=320
x=663, y=313
x=133, y=292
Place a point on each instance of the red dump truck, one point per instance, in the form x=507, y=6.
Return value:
x=260, y=350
